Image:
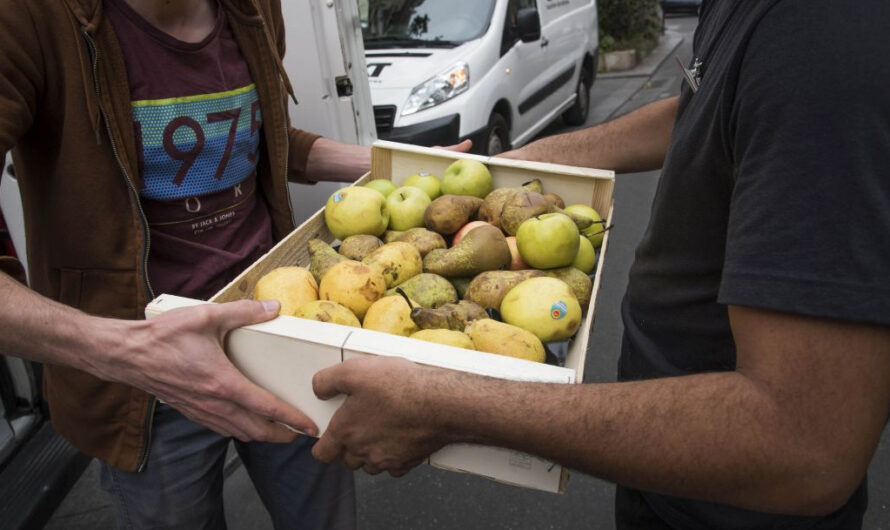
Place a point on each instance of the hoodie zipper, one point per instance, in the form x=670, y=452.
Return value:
x=146, y=235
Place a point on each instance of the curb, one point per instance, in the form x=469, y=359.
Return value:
x=668, y=44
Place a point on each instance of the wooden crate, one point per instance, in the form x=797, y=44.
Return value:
x=283, y=354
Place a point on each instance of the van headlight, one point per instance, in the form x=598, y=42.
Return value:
x=439, y=89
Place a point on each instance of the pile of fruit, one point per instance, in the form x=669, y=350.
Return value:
x=428, y=259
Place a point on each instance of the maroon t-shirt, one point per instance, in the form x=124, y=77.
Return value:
x=197, y=122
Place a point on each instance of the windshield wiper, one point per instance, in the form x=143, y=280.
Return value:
x=405, y=42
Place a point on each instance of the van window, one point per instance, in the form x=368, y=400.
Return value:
x=511, y=36
x=423, y=23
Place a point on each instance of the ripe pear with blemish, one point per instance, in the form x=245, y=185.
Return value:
x=524, y=205
x=448, y=213
x=504, y=339
x=448, y=316
x=483, y=249
x=327, y=311
x=428, y=290
x=353, y=285
x=490, y=210
x=397, y=262
x=489, y=288
x=423, y=240
x=358, y=246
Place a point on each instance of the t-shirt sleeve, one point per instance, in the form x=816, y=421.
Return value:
x=809, y=131
x=300, y=146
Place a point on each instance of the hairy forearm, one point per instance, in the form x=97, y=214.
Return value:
x=337, y=162
x=637, y=141
x=39, y=329
x=716, y=437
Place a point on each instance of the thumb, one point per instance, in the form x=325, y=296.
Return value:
x=233, y=315
x=330, y=383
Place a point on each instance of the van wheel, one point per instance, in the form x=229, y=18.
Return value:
x=496, y=138
x=577, y=113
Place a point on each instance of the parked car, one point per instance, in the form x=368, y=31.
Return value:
x=495, y=71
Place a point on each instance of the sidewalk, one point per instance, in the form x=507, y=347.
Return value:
x=670, y=41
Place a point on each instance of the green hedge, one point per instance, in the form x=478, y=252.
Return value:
x=626, y=24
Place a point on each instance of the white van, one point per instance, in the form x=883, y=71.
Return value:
x=495, y=71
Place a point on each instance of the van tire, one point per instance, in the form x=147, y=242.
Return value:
x=577, y=113
x=497, y=135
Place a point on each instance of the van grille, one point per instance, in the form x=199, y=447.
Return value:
x=384, y=116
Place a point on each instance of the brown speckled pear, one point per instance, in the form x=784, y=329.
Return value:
x=525, y=204
x=483, y=249
x=449, y=316
x=489, y=288
x=423, y=240
x=358, y=246
x=490, y=211
x=448, y=213
x=428, y=290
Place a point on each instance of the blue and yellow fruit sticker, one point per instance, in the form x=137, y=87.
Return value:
x=339, y=196
x=558, y=310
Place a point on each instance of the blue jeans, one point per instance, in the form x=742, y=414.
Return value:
x=182, y=484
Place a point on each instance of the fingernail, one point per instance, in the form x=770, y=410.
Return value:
x=271, y=306
x=311, y=431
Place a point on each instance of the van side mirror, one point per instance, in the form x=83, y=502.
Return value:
x=528, y=24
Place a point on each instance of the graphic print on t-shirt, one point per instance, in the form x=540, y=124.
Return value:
x=197, y=145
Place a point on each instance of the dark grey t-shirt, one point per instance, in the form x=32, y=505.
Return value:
x=775, y=194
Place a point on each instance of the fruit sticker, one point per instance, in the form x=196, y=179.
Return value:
x=339, y=196
x=558, y=310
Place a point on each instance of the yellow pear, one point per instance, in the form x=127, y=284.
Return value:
x=545, y=306
x=354, y=285
x=291, y=286
x=390, y=314
x=445, y=336
x=496, y=337
x=397, y=262
x=327, y=311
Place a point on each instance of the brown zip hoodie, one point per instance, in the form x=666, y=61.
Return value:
x=65, y=114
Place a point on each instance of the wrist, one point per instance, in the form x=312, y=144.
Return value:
x=450, y=397
x=109, y=345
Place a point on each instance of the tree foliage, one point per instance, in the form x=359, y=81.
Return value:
x=626, y=24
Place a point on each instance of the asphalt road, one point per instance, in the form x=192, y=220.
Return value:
x=430, y=498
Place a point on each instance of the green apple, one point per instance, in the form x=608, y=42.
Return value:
x=594, y=232
x=356, y=210
x=384, y=186
x=467, y=177
x=585, y=261
x=548, y=241
x=545, y=306
x=428, y=183
x=406, y=207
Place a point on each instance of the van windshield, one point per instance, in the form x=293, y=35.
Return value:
x=423, y=23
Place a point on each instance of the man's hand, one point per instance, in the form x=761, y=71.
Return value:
x=383, y=425
x=178, y=357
